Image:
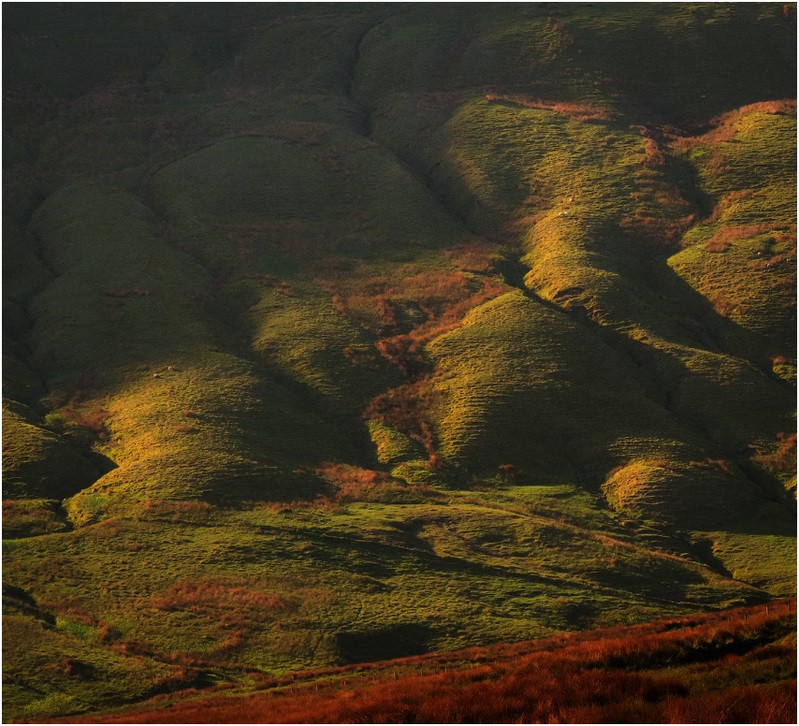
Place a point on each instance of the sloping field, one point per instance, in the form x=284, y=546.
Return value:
x=674, y=671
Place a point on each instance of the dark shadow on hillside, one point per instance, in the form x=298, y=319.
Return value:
x=700, y=320
x=18, y=600
x=781, y=523
x=660, y=579
x=237, y=487
x=396, y=641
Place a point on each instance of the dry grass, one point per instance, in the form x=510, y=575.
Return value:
x=722, y=128
x=724, y=237
x=354, y=484
x=600, y=677
x=575, y=111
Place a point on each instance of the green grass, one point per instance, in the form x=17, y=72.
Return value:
x=306, y=339
x=759, y=555
x=183, y=584
x=737, y=665
x=514, y=359
x=392, y=446
x=746, y=273
x=39, y=682
x=639, y=59
x=39, y=463
x=332, y=328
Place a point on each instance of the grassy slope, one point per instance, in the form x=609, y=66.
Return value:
x=596, y=204
x=664, y=672
x=397, y=270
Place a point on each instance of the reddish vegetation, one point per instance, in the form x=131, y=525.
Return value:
x=24, y=507
x=364, y=356
x=404, y=352
x=713, y=464
x=441, y=297
x=723, y=304
x=724, y=237
x=72, y=668
x=209, y=595
x=783, y=459
x=17, y=513
x=76, y=412
x=403, y=408
x=662, y=215
x=596, y=677
x=192, y=511
x=91, y=418
x=353, y=484
x=444, y=296
x=235, y=606
x=576, y=111
x=722, y=128
x=472, y=256
x=445, y=299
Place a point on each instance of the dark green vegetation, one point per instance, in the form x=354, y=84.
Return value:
x=337, y=333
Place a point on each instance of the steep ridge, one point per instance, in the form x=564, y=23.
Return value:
x=451, y=312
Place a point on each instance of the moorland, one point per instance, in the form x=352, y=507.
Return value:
x=345, y=333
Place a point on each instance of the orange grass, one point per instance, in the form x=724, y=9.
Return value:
x=443, y=296
x=783, y=459
x=576, y=111
x=722, y=128
x=354, y=484
x=592, y=677
x=724, y=237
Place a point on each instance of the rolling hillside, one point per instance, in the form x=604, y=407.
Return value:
x=733, y=667
x=339, y=333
